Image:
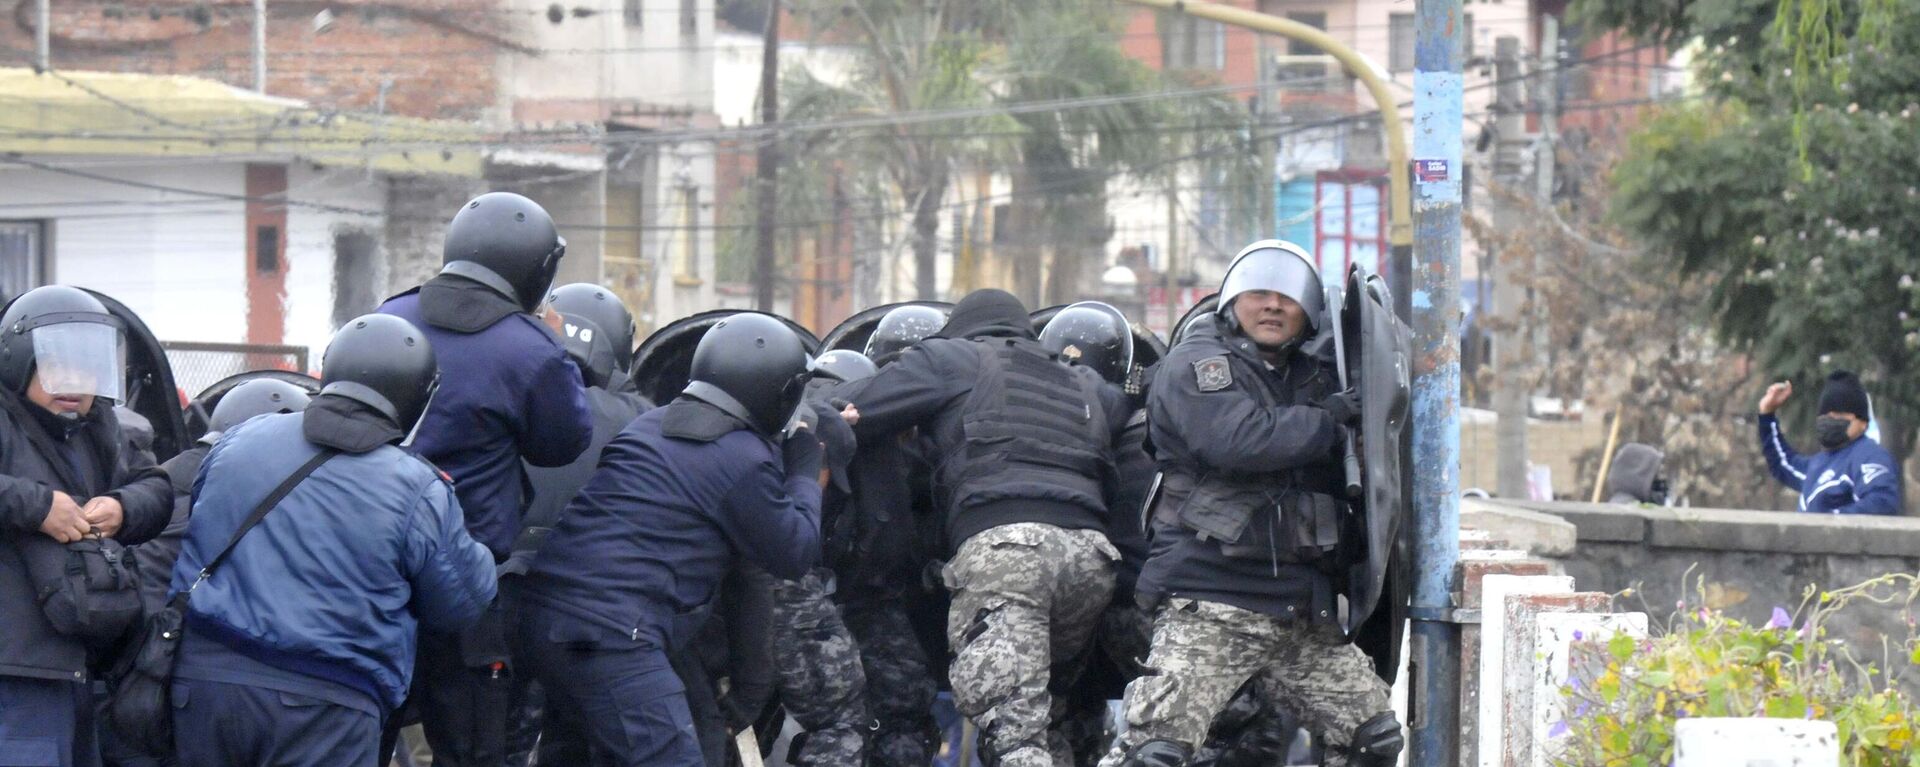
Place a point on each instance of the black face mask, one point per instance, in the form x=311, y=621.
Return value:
x=1832, y=431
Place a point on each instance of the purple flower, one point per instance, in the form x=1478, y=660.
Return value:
x=1781, y=619
x=1809, y=712
x=1682, y=712
x=1558, y=729
x=1579, y=635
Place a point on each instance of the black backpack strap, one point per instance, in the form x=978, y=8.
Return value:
x=260, y=512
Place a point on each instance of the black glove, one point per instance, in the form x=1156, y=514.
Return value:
x=801, y=451
x=1343, y=406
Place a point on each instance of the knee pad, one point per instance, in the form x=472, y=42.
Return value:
x=1158, y=753
x=1377, y=742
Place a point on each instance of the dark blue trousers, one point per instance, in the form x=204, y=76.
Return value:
x=41, y=723
x=217, y=724
x=628, y=704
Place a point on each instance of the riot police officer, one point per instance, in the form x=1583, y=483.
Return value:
x=64, y=479
x=597, y=333
x=1023, y=452
x=822, y=684
x=303, y=639
x=682, y=492
x=1246, y=420
x=510, y=393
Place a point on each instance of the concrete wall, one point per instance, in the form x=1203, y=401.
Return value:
x=1751, y=561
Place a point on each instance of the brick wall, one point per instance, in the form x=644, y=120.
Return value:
x=438, y=54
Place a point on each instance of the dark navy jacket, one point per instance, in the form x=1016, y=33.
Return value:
x=1859, y=477
x=507, y=392
x=1224, y=428
x=334, y=582
x=635, y=558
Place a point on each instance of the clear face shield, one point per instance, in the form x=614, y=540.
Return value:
x=81, y=359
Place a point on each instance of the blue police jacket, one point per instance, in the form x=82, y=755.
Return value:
x=1859, y=477
x=335, y=581
x=680, y=494
x=507, y=392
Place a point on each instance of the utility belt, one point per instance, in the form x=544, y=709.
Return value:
x=1269, y=520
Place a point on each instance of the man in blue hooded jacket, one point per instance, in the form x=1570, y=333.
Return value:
x=1852, y=474
x=509, y=393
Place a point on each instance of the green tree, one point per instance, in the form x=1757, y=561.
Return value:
x=988, y=63
x=1793, y=186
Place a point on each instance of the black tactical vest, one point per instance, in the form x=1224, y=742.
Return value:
x=1030, y=428
x=1270, y=517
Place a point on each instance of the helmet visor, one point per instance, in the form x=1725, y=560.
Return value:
x=1278, y=270
x=80, y=358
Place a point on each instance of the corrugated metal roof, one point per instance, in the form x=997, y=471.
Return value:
x=109, y=113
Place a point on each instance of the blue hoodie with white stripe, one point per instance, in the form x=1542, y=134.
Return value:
x=1859, y=477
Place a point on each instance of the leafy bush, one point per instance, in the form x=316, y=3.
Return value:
x=1625, y=694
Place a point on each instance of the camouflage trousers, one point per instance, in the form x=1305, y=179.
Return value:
x=900, y=686
x=1205, y=651
x=818, y=670
x=1026, y=600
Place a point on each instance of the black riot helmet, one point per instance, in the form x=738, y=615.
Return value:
x=901, y=328
x=844, y=365
x=1093, y=334
x=753, y=367
x=505, y=242
x=1279, y=266
x=587, y=345
x=385, y=363
x=257, y=397
x=600, y=306
x=66, y=336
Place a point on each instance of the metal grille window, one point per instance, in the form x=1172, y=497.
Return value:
x=1190, y=43
x=22, y=257
x=634, y=13
x=689, y=17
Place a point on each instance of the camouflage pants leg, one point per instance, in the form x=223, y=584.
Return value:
x=1026, y=600
x=1203, y=652
x=900, y=687
x=817, y=667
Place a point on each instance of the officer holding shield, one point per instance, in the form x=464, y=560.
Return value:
x=1250, y=528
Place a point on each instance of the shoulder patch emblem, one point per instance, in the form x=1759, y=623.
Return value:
x=1213, y=373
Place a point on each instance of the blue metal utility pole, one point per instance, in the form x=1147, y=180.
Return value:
x=1435, y=648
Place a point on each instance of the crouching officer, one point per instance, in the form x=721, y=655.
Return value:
x=510, y=394
x=1246, y=422
x=1024, y=468
x=302, y=640
x=630, y=569
x=64, y=479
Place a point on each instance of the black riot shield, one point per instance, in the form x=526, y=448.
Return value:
x=1378, y=348
x=151, y=391
x=200, y=409
x=853, y=332
x=1200, y=309
x=663, y=361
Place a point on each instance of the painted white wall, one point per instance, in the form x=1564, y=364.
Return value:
x=310, y=238
x=601, y=56
x=178, y=260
